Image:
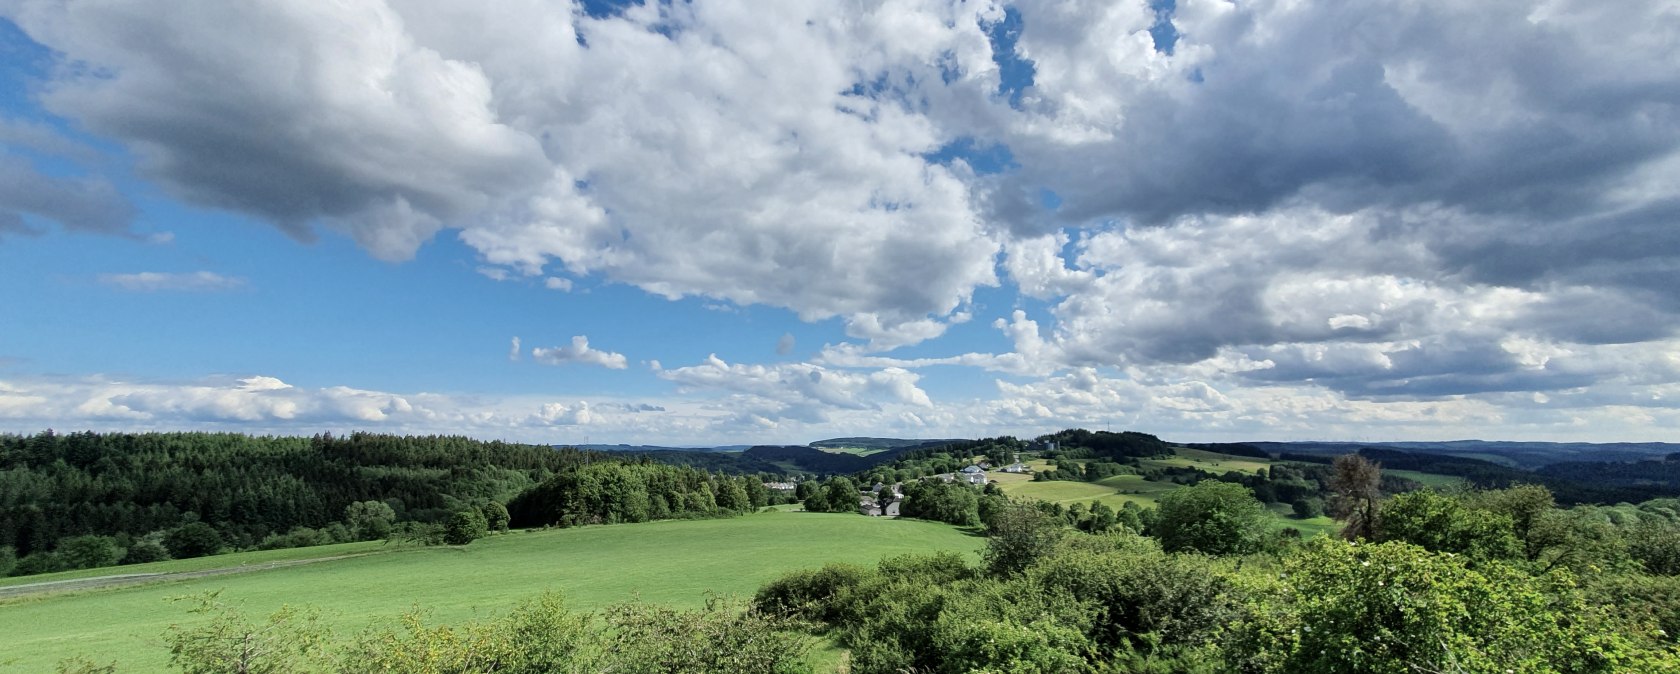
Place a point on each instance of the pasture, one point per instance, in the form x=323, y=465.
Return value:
x=670, y=562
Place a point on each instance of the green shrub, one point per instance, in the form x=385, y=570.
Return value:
x=1446, y=524
x=1212, y=517
x=288, y=641
x=1018, y=535
x=719, y=639
x=464, y=527
x=1143, y=599
x=1394, y=608
x=537, y=637
x=88, y=552
x=148, y=548
x=195, y=539
x=973, y=635
x=809, y=594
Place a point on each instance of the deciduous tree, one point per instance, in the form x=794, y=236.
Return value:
x=1356, y=495
x=1212, y=517
x=464, y=527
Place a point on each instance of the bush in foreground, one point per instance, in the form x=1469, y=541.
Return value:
x=538, y=636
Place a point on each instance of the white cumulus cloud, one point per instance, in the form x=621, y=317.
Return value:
x=579, y=351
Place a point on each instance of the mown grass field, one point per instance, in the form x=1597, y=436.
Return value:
x=674, y=562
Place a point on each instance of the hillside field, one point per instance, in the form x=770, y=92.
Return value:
x=668, y=562
x=1211, y=462
x=1117, y=490
x=1429, y=479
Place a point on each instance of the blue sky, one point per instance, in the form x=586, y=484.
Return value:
x=710, y=223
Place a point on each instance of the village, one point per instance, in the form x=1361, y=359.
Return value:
x=880, y=500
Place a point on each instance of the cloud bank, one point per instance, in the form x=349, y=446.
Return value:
x=1242, y=216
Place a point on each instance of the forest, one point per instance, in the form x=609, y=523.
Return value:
x=83, y=500
x=611, y=492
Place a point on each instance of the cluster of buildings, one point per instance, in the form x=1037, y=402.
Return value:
x=874, y=503
x=881, y=500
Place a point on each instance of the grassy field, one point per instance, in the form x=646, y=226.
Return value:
x=855, y=451
x=1209, y=461
x=205, y=563
x=674, y=563
x=1311, y=527
x=1429, y=479
x=1063, y=492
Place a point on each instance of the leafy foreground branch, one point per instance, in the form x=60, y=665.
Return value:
x=539, y=636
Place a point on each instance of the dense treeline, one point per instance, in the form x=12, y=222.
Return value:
x=734, y=463
x=1574, y=482
x=1663, y=473
x=1240, y=449
x=809, y=459
x=1526, y=455
x=57, y=486
x=611, y=492
x=1611, y=481
x=1078, y=443
x=999, y=451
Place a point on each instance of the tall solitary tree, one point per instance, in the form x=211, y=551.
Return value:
x=1356, y=495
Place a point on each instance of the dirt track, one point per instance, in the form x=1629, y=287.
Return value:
x=121, y=580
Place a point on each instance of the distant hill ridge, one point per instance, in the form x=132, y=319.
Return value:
x=1528, y=455
x=881, y=443
x=656, y=448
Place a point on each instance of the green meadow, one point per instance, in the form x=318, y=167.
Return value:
x=1430, y=479
x=1185, y=457
x=670, y=562
x=855, y=451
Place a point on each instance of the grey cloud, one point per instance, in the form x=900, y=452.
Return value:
x=1637, y=247
x=1462, y=364
x=304, y=116
x=1494, y=107
x=85, y=204
x=11, y=222
x=1591, y=316
x=43, y=139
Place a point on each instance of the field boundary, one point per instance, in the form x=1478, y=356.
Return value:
x=57, y=587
